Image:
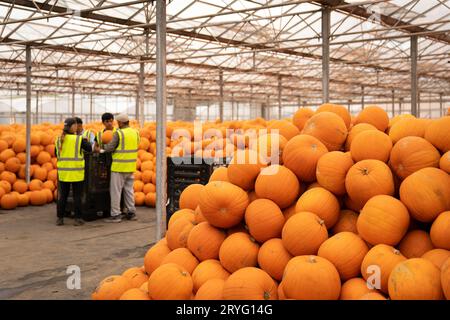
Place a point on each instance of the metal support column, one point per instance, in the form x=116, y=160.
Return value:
x=362, y=97
x=400, y=105
x=441, y=105
x=141, y=95
x=349, y=105
x=91, y=108
x=299, y=101
x=73, y=100
x=232, y=106
x=36, y=116
x=161, y=116
x=414, y=82
x=279, y=97
x=221, y=95
x=207, y=111
x=326, y=54
x=393, y=102
x=28, y=113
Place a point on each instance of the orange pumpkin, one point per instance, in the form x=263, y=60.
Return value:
x=445, y=278
x=20, y=186
x=238, y=251
x=331, y=170
x=139, y=198
x=437, y=256
x=43, y=157
x=278, y=184
x=303, y=233
x=154, y=256
x=264, y=219
x=223, y=204
x=346, y=222
x=355, y=130
x=136, y=275
x=12, y=164
x=170, y=282
x=7, y=154
x=415, y=244
x=150, y=199
x=207, y=270
x=19, y=145
x=187, y=213
x=411, y=154
x=440, y=231
x=112, y=288
x=22, y=200
x=204, y=241
x=250, y=284
x=375, y=116
x=383, y=219
x=438, y=134
x=182, y=257
x=284, y=128
x=301, y=155
x=178, y=233
x=219, y=174
x=329, y=128
x=8, y=177
x=35, y=185
x=8, y=201
x=311, y=278
x=338, y=109
x=371, y=144
x=289, y=212
x=373, y=296
x=415, y=279
x=426, y=193
x=354, y=289
x=368, y=178
x=211, y=290
x=38, y=198
x=243, y=169
x=444, y=162
x=273, y=258
x=382, y=258
x=301, y=116
x=134, y=294
x=189, y=196
x=320, y=202
x=408, y=127
x=345, y=251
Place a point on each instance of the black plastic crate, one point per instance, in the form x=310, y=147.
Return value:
x=184, y=171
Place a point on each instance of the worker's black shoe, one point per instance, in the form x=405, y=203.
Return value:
x=131, y=216
x=60, y=222
x=78, y=222
x=115, y=219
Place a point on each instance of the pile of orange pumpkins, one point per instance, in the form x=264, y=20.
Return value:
x=357, y=208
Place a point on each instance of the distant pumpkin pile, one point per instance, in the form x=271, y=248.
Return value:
x=357, y=209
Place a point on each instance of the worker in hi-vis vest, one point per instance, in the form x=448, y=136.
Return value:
x=108, y=123
x=85, y=133
x=124, y=148
x=69, y=148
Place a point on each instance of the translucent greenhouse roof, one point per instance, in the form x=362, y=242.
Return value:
x=96, y=46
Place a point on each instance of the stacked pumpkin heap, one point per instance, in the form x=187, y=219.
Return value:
x=354, y=201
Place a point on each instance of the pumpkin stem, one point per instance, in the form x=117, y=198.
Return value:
x=184, y=273
x=321, y=222
x=312, y=259
x=266, y=295
x=396, y=252
x=365, y=171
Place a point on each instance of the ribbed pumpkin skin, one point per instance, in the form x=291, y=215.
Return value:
x=155, y=255
x=250, y=284
x=211, y=290
x=273, y=258
x=303, y=234
x=346, y=222
x=375, y=116
x=178, y=233
x=426, y=193
x=264, y=220
x=445, y=278
x=383, y=220
x=354, y=289
x=438, y=134
x=244, y=167
x=204, y=241
x=285, y=128
x=269, y=147
x=182, y=257
x=219, y=174
x=354, y=131
x=134, y=294
x=301, y=155
x=411, y=154
x=238, y=251
x=279, y=184
x=345, y=251
x=444, y=162
x=437, y=256
x=331, y=170
x=170, y=282
x=112, y=288
x=337, y=109
x=186, y=213
x=415, y=279
x=440, y=231
x=311, y=278
x=320, y=202
x=189, y=196
x=415, y=244
x=301, y=116
x=371, y=144
x=329, y=128
x=407, y=127
x=223, y=204
x=207, y=270
x=368, y=178
x=386, y=258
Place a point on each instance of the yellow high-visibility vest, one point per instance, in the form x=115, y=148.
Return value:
x=70, y=163
x=86, y=135
x=125, y=156
x=99, y=136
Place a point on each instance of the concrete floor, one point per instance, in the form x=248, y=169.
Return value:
x=35, y=253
